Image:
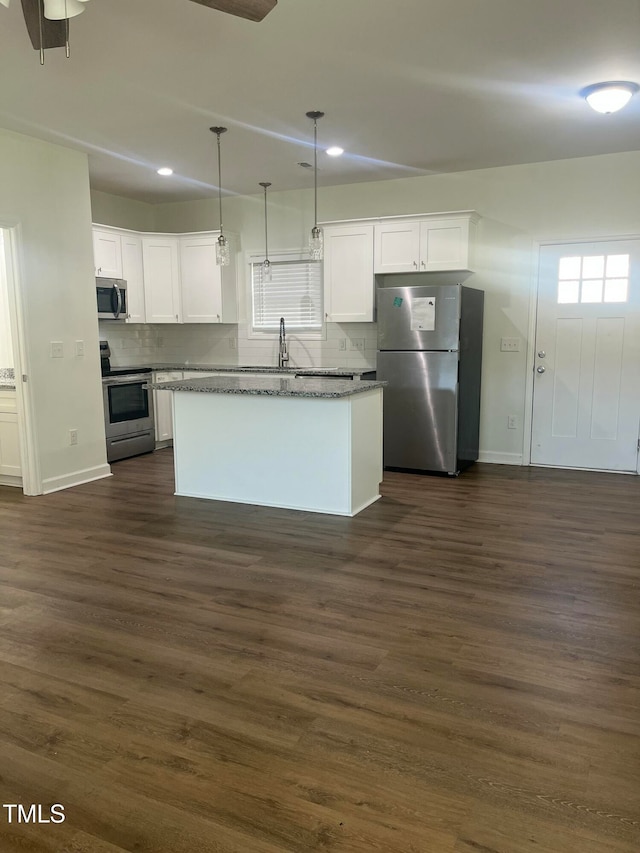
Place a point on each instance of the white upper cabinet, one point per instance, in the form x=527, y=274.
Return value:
x=397, y=247
x=348, y=273
x=132, y=273
x=445, y=244
x=425, y=244
x=209, y=291
x=161, y=266
x=107, y=253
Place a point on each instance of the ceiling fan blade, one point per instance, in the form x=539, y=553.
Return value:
x=252, y=10
x=53, y=32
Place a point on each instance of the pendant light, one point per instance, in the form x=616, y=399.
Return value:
x=266, y=264
x=222, y=246
x=315, y=241
x=59, y=10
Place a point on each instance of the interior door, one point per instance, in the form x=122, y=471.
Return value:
x=586, y=398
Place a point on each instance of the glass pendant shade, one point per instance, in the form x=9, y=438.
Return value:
x=223, y=256
x=59, y=10
x=5, y=3
x=316, y=245
x=315, y=239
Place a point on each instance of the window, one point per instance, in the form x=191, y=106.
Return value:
x=294, y=292
x=593, y=278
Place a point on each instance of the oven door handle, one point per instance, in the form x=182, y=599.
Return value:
x=117, y=308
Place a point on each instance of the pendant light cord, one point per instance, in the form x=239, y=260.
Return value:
x=265, y=184
x=218, y=132
x=315, y=172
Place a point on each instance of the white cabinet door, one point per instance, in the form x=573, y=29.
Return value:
x=10, y=465
x=132, y=273
x=348, y=274
x=201, y=280
x=397, y=247
x=161, y=279
x=163, y=405
x=444, y=244
x=107, y=254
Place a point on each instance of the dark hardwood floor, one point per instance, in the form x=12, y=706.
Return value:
x=455, y=670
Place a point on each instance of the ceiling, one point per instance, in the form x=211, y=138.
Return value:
x=409, y=87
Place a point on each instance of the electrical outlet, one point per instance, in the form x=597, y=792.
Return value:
x=79, y=348
x=342, y=344
x=509, y=344
x=73, y=436
x=57, y=349
x=233, y=343
x=357, y=343
x=512, y=422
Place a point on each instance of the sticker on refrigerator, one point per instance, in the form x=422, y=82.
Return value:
x=423, y=314
x=397, y=301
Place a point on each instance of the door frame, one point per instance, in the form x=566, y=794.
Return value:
x=538, y=244
x=31, y=478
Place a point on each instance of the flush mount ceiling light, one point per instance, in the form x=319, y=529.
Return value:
x=335, y=151
x=165, y=170
x=609, y=97
x=222, y=246
x=315, y=242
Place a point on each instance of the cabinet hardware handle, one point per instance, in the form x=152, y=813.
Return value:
x=423, y=264
x=415, y=265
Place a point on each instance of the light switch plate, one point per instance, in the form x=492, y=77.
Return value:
x=57, y=349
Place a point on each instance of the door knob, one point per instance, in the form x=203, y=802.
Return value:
x=541, y=369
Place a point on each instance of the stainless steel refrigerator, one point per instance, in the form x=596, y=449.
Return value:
x=430, y=354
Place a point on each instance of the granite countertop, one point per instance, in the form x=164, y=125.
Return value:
x=256, y=368
x=271, y=386
x=7, y=379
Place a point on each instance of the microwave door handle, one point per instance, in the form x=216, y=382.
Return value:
x=118, y=308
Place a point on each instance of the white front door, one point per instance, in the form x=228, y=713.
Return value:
x=586, y=397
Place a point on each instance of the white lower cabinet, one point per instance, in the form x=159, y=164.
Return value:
x=10, y=462
x=163, y=407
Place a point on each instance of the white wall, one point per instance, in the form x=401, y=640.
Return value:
x=45, y=194
x=559, y=200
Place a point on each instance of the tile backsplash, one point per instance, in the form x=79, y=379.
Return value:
x=346, y=345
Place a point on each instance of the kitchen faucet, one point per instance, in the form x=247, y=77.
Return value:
x=283, y=353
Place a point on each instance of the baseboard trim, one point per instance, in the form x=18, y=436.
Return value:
x=76, y=478
x=9, y=480
x=496, y=458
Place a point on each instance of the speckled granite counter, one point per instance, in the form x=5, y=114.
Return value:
x=271, y=386
x=7, y=379
x=256, y=368
x=303, y=443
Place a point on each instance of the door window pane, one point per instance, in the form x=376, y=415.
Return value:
x=615, y=289
x=569, y=268
x=568, y=291
x=592, y=291
x=593, y=266
x=617, y=266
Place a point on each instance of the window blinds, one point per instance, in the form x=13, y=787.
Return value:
x=294, y=292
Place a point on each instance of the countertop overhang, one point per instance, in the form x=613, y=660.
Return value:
x=271, y=386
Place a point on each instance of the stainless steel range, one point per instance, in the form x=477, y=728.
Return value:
x=128, y=409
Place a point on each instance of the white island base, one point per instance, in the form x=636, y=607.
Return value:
x=307, y=453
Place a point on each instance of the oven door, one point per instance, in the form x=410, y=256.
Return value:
x=128, y=405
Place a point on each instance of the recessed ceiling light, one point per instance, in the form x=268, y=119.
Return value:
x=609, y=97
x=165, y=170
x=335, y=151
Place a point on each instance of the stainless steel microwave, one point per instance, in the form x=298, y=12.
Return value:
x=112, y=298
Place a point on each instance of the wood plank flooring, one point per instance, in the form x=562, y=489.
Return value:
x=455, y=670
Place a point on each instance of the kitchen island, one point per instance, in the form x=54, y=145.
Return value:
x=301, y=443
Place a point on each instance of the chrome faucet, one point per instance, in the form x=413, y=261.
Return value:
x=283, y=352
